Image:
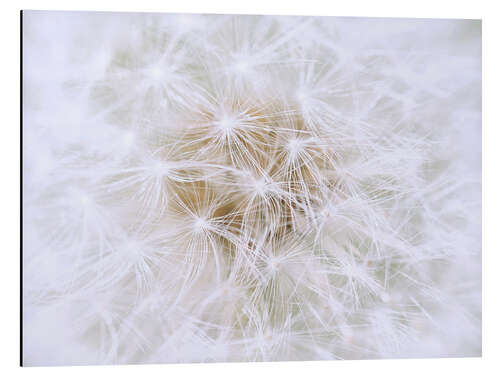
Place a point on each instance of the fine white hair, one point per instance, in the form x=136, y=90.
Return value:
x=205, y=188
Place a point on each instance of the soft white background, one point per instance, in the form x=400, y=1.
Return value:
x=9, y=176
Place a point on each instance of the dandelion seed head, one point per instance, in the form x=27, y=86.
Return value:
x=227, y=123
x=80, y=198
x=385, y=297
x=273, y=265
x=303, y=96
x=353, y=270
x=328, y=211
x=200, y=224
x=160, y=168
x=242, y=66
x=261, y=186
x=294, y=147
x=160, y=74
x=250, y=188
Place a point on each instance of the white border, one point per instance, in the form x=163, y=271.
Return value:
x=360, y=8
x=9, y=173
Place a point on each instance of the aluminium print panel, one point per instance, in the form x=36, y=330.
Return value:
x=201, y=188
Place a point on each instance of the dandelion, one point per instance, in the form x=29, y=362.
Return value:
x=249, y=188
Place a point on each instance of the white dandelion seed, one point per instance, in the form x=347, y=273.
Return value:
x=247, y=188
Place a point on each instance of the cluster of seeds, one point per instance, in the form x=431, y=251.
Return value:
x=243, y=188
